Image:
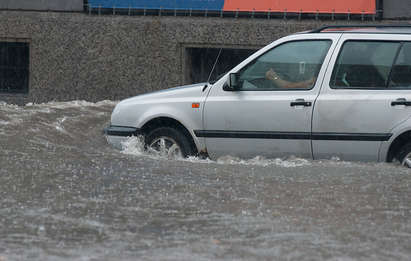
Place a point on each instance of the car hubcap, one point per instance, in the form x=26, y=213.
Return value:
x=407, y=160
x=165, y=147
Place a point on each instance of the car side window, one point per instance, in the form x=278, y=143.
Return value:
x=292, y=65
x=401, y=70
x=364, y=64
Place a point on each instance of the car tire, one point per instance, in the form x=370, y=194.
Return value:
x=404, y=155
x=168, y=142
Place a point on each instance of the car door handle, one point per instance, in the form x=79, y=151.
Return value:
x=300, y=102
x=401, y=101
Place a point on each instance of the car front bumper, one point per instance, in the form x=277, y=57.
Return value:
x=116, y=135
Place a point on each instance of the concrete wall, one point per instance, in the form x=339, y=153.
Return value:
x=397, y=9
x=77, y=56
x=53, y=5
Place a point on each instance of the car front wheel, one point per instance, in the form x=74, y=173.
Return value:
x=168, y=142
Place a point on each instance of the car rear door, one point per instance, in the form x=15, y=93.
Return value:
x=365, y=94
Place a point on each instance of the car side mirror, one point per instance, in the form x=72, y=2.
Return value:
x=232, y=83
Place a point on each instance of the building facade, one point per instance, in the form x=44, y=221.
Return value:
x=70, y=54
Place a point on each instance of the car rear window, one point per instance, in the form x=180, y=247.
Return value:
x=364, y=64
x=401, y=70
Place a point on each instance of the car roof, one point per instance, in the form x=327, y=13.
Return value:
x=371, y=29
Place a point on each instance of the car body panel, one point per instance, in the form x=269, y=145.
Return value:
x=357, y=112
x=174, y=103
x=397, y=131
x=287, y=128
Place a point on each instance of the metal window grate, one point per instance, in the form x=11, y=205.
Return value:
x=14, y=67
x=200, y=61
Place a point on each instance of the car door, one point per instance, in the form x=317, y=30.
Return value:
x=263, y=116
x=363, y=98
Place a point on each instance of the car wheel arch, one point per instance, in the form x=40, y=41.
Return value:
x=397, y=144
x=168, y=122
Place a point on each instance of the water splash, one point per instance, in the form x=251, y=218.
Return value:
x=290, y=162
x=135, y=146
x=73, y=197
x=69, y=104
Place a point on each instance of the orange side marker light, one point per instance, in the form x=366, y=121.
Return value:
x=195, y=105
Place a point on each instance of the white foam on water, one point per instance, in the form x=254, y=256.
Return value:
x=289, y=162
x=4, y=122
x=59, y=124
x=12, y=122
x=15, y=114
x=71, y=104
x=135, y=146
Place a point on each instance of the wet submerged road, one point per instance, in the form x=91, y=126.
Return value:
x=65, y=194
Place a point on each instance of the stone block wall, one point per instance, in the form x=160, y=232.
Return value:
x=90, y=57
x=394, y=9
x=55, y=5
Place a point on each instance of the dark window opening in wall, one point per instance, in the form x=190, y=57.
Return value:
x=200, y=61
x=14, y=67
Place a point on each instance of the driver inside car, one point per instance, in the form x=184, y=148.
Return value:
x=276, y=79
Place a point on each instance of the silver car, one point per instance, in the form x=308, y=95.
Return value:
x=338, y=91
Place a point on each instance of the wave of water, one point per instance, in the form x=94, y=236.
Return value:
x=66, y=194
x=135, y=146
x=16, y=115
x=69, y=119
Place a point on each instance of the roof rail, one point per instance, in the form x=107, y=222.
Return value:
x=319, y=30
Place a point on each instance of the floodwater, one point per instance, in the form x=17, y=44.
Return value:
x=65, y=194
